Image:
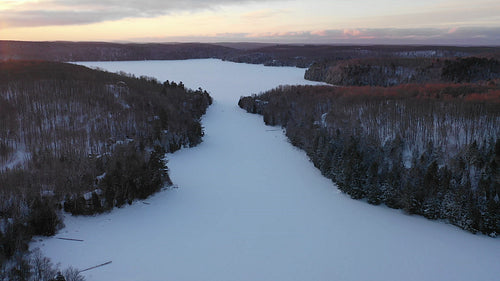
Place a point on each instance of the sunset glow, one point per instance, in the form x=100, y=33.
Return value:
x=283, y=21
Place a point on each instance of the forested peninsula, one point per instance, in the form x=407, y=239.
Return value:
x=391, y=71
x=83, y=141
x=429, y=149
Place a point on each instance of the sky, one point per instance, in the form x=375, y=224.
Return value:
x=448, y=22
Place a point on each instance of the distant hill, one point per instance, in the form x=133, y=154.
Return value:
x=255, y=53
x=306, y=55
x=100, y=51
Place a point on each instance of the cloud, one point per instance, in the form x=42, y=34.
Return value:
x=44, y=18
x=263, y=14
x=319, y=33
x=441, y=36
x=449, y=24
x=71, y=12
x=442, y=14
x=470, y=36
x=352, y=32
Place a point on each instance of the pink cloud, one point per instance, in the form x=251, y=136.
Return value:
x=319, y=33
x=276, y=34
x=448, y=36
x=352, y=32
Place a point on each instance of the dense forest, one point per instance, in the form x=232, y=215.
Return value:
x=102, y=51
x=84, y=141
x=299, y=55
x=392, y=71
x=306, y=56
x=432, y=149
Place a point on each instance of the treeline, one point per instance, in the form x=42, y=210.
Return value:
x=35, y=267
x=432, y=150
x=268, y=54
x=385, y=72
x=472, y=69
x=313, y=56
x=102, y=51
x=84, y=141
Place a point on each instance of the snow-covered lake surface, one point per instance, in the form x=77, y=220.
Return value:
x=252, y=207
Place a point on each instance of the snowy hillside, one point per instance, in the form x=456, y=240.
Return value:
x=250, y=206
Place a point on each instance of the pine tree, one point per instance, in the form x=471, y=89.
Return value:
x=373, y=191
x=43, y=218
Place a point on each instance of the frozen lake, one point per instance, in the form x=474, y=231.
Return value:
x=252, y=207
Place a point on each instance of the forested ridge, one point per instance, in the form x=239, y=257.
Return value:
x=323, y=56
x=103, y=51
x=390, y=71
x=299, y=55
x=84, y=141
x=429, y=149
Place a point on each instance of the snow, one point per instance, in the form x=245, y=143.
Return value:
x=250, y=206
x=17, y=159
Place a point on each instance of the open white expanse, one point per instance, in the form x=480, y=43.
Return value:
x=252, y=207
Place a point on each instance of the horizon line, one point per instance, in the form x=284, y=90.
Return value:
x=123, y=42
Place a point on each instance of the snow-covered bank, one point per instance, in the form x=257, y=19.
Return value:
x=252, y=207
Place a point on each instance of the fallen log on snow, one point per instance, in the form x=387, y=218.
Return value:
x=94, y=267
x=70, y=239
